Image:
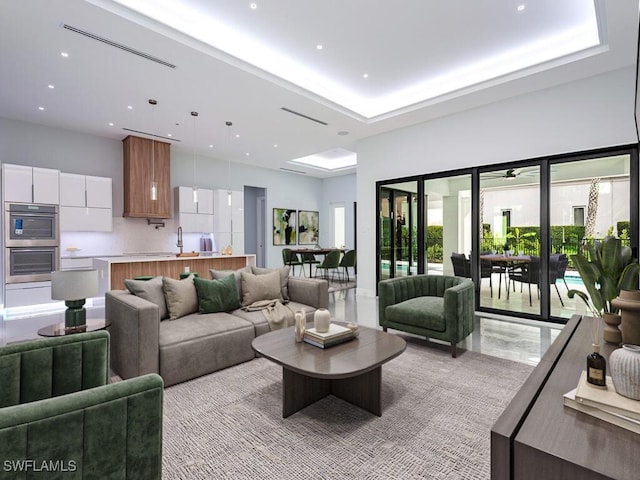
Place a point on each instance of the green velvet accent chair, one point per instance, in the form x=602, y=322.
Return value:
x=60, y=417
x=434, y=306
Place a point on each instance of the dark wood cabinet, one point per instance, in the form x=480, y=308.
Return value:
x=537, y=437
x=146, y=161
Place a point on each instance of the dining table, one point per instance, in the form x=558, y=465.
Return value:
x=314, y=251
x=504, y=261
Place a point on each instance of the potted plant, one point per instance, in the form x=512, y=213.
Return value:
x=609, y=269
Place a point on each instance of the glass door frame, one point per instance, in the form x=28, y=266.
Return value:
x=544, y=164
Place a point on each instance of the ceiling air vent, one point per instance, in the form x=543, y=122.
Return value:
x=304, y=116
x=293, y=171
x=93, y=36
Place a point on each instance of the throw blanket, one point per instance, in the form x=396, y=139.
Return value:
x=277, y=314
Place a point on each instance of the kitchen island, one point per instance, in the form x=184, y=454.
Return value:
x=112, y=271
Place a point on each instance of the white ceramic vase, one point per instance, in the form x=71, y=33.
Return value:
x=624, y=365
x=322, y=320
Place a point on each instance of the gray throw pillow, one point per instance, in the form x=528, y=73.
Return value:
x=260, y=287
x=284, y=278
x=220, y=274
x=150, y=290
x=181, y=296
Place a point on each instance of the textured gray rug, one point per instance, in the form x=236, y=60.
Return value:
x=436, y=422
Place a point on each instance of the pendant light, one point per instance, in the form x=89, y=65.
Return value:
x=195, y=187
x=154, y=184
x=229, y=124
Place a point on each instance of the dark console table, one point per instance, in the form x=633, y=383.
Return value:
x=537, y=437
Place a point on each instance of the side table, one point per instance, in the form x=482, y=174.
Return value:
x=58, y=330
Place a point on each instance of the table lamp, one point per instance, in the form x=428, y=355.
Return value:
x=74, y=286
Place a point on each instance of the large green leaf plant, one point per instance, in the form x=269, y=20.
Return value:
x=609, y=269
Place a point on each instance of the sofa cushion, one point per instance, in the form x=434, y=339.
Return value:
x=217, y=295
x=284, y=278
x=220, y=274
x=150, y=290
x=195, y=326
x=260, y=287
x=181, y=296
x=425, y=312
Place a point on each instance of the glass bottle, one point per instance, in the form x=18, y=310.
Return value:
x=596, y=367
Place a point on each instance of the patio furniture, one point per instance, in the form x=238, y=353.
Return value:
x=56, y=404
x=434, y=306
x=525, y=272
x=461, y=265
x=555, y=260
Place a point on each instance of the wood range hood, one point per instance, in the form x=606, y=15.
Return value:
x=144, y=162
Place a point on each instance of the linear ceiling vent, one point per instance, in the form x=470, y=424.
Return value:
x=293, y=171
x=304, y=116
x=118, y=45
x=171, y=139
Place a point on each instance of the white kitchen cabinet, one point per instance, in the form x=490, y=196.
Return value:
x=194, y=217
x=85, y=203
x=228, y=223
x=30, y=184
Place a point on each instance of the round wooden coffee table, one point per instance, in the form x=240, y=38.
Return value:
x=351, y=371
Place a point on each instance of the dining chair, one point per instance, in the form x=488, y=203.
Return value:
x=331, y=262
x=348, y=260
x=309, y=259
x=525, y=272
x=291, y=259
x=461, y=265
x=554, y=271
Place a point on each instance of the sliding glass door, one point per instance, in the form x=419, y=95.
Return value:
x=513, y=228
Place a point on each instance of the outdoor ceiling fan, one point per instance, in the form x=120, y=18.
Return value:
x=511, y=173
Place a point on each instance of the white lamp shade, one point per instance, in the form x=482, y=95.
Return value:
x=74, y=284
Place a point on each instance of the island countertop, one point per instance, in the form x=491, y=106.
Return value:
x=113, y=271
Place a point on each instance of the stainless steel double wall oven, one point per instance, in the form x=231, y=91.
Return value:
x=32, y=242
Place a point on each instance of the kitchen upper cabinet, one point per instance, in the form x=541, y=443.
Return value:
x=228, y=219
x=85, y=203
x=194, y=217
x=30, y=184
x=146, y=161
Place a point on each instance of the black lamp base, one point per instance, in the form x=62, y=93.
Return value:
x=75, y=317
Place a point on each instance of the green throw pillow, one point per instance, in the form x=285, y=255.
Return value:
x=217, y=295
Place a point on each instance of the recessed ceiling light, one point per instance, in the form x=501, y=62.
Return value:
x=210, y=146
x=365, y=75
x=111, y=124
x=40, y=108
x=521, y=7
x=253, y=6
x=275, y=145
x=247, y=154
x=51, y=86
x=64, y=54
x=130, y=107
x=319, y=46
x=169, y=135
x=237, y=135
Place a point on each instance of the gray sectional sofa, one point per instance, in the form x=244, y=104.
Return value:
x=197, y=343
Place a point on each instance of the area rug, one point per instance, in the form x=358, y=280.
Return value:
x=437, y=414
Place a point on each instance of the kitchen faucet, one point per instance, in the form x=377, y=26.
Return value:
x=179, y=244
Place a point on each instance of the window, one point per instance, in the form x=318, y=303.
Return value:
x=578, y=216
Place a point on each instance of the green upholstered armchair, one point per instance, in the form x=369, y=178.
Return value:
x=436, y=306
x=60, y=418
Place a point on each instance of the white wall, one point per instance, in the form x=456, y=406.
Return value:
x=29, y=144
x=587, y=114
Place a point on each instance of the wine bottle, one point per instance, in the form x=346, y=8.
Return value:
x=596, y=367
